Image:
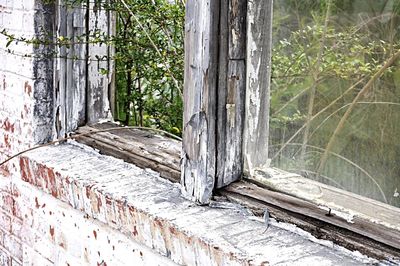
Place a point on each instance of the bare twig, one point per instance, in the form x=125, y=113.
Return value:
x=321, y=150
x=315, y=116
x=313, y=90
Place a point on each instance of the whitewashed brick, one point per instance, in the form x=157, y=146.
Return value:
x=102, y=211
x=4, y=257
x=28, y=4
x=13, y=246
x=33, y=258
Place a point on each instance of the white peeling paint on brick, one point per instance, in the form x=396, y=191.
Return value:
x=152, y=212
x=56, y=234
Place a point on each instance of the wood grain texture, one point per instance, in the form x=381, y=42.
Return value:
x=374, y=231
x=98, y=82
x=231, y=92
x=347, y=203
x=366, y=234
x=230, y=125
x=70, y=70
x=200, y=94
x=319, y=229
x=237, y=13
x=222, y=93
x=144, y=149
x=259, y=36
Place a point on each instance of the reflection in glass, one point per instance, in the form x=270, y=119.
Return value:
x=335, y=94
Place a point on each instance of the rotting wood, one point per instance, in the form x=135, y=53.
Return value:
x=59, y=75
x=82, y=88
x=97, y=103
x=230, y=143
x=318, y=193
x=259, y=42
x=231, y=91
x=70, y=71
x=112, y=30
x=222, y=93
x=319, y=229
x=374, y=231
x=237, y=13
x=200, y=91
x=144, y=149
x=76, y=80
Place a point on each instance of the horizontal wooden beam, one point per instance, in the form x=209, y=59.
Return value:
x=142, y=148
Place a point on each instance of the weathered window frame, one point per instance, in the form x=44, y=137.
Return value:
x=227, y=76
x=83, y=93
x=227, y=70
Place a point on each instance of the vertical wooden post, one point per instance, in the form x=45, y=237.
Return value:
x=98, y=67
x=215, y=75
x=259, y=36
x=70, y=69
x=231, y=91
x=200, y=99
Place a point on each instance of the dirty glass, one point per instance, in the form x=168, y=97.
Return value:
x=335, y=94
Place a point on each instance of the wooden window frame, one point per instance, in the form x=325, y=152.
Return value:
x=83, y=92
x=226, y=111
x=225, y=139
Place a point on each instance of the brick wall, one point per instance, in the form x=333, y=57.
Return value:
x=16, y=78
x=37, y=229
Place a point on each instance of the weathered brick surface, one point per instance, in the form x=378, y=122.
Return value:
x=52, y=232
x=16, y=79
x=80, y=208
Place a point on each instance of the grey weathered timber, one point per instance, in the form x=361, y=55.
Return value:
x=215, y=77
x=231, y=91
x=70, y=70
x=60, y=70
x=112, y=29
x=42, y=66
x=222, y=92
x=237, y=10
x=98, y=82
x=371, y=230
x=143, y=148
x=76, y=81
x=200, y=96
x=364, y=235
x=259, y=35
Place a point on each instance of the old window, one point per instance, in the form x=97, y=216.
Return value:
x=328, y=56
x=342, y=68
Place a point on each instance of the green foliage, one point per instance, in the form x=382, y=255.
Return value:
x=147, y=94
x=148, y=57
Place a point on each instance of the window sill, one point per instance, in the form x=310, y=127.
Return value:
x=346, y=205
x=152, y=212
x=349, y=220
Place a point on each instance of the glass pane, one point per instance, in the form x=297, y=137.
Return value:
x=335, y=94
